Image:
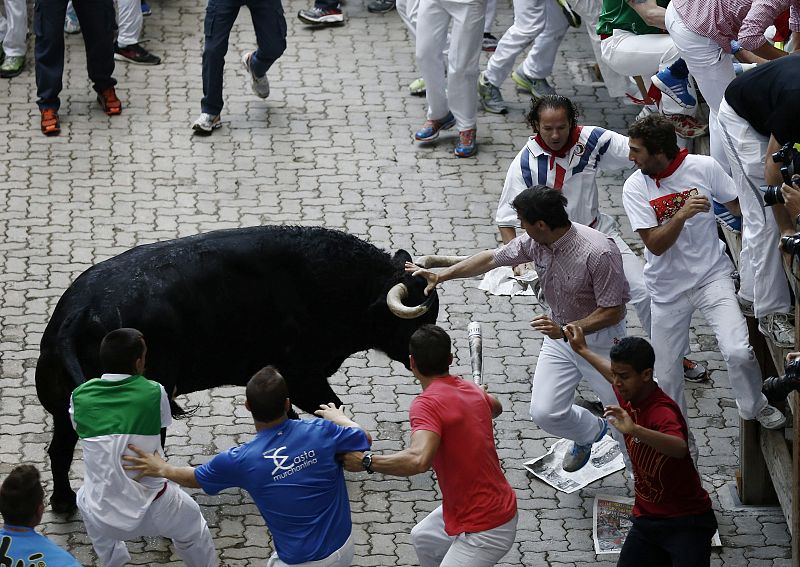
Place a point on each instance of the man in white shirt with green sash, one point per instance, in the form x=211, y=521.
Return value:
x=108, y=413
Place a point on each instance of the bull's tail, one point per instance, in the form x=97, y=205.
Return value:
x=67, y=351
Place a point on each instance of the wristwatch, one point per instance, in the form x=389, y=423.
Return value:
x=366, y=462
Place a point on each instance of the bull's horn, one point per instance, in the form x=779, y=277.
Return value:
x=394, y=300
x=435, y=261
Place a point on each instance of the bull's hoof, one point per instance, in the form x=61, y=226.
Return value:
x=65, y=504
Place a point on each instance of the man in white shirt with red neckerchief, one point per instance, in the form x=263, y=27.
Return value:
x=567, y=156
x=668, y=202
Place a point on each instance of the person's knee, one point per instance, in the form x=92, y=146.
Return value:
x=545, y=416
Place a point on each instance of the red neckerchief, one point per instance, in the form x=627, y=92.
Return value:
x=670, y=169
x=573, y=139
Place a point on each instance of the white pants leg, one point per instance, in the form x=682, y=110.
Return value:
x=480, y=549
x=129, y=22
x=558, y=372
x=175, y=515
x=529, y=22
x=16, y=28
x=717, y=302
x=342, y=557
x=589, y=11
x=711, y=68
x=463, y=62
x=407, y=9
x=760, y=266
x=491, y=12
x=432, y=23
x=542, y=54
x=670, y=325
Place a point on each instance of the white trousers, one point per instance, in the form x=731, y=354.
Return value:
x=760, y=265
x=717, y=302
x=456, y=92
x=174, y=515
x=537, y=21
x=14, y=28
x=129, y=22
x=480, y=549
x=589, y=11
x=491, y=12
x=711, y=68
x=558, y=372
x=342, y=557
x=641, y=55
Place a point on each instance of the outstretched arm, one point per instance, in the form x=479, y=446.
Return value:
x=577, y=341
x=669, y=445
x=337, y=416
x=417, y=459
x=475, y=265
x=151, y=464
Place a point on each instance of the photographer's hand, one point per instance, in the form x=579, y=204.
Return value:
x=791, y=197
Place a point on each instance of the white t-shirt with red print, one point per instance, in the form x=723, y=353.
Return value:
x=698, y=255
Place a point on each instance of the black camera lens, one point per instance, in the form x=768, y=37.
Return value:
x=791, y=245
x=773, y=195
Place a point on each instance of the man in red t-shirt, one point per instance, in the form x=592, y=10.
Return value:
x=451, y=430
x=673, y=521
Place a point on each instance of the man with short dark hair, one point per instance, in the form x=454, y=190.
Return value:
x=108, y=413
x=673, y=521
x=668, y=202
x=22, y=507
x=582, y=278
x=451, y=431
x=290, y=470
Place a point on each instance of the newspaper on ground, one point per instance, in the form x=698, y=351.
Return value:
x=503, y=281
x=611, y=522
x=606, y=459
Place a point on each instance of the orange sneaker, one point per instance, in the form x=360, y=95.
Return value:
x=50, y=123
x=109, y=101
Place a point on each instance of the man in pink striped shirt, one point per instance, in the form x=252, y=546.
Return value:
x=703, y=31
x=583, y=281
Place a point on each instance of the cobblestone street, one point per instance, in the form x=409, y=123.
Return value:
x=331, y=146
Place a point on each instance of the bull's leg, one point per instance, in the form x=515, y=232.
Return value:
x=310, y=394
x=61, y=451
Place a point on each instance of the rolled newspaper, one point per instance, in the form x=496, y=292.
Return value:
x=476, y=351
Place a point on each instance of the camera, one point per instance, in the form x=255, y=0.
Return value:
x=791, y=244
x=790, y=158
x=773, y=195
x=776, y=388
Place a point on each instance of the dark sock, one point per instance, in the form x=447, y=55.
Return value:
x=679, y=69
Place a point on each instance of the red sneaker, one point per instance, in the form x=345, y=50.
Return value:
x=109, y=101
x=687, y=126
x=50, y=123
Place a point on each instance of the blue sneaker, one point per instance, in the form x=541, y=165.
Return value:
x=467, y=146
x=146, y=11
x=430, y=130
x=677, y=89
x=579, y=455
x=726, y=219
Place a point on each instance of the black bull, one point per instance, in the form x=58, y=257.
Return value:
x=215, y=308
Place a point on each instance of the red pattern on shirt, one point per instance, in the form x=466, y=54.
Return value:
x=666, y=487
x=666, y=206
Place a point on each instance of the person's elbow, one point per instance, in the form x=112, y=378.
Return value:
x=421, y=463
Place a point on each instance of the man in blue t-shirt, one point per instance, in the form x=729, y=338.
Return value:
x=290, y=470
x=22, y=507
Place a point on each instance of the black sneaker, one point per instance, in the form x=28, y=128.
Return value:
x=135, y=54
x=381, y=6
x=320, y=16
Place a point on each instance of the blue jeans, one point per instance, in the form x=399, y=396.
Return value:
x=270, y=28
x=669, y=542
x=98, y=22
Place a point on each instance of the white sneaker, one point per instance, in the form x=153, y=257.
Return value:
x=778, y=328
x=206, y=124
x=260, y=85
x=771, y=418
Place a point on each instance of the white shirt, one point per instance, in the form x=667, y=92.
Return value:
x=109, y=492
x=698, y=255
x=574, y=175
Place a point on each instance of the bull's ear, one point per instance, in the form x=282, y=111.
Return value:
x=402, y=257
